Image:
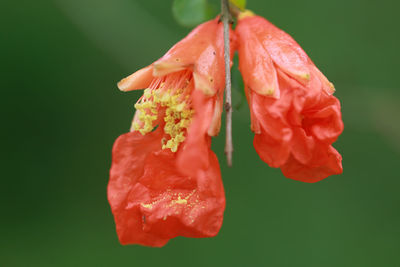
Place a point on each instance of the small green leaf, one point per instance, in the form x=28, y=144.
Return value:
x=241, y=4
x=190, y=13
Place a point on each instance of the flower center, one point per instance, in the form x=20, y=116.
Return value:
x=168, y=98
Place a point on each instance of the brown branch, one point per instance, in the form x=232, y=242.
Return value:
x=226, y=18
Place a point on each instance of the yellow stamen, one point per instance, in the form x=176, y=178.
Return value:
x=177, y=115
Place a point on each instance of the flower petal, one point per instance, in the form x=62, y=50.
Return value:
x=141, y=79
x=129, y=154
x=324, y=123
x=284, y=51
x=271, y=114
x=325, y=162
x=255, y=63
x=152, y=201
x=255, y=124
x=197, y=140
x=273, y=152
x=215, y=124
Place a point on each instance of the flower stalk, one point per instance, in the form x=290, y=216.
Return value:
x=226, y=19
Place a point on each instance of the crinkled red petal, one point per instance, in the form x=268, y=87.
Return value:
x=326, y=161
x=296, y=130
x=152, y=201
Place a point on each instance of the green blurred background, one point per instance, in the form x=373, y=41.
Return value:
x=61, y=111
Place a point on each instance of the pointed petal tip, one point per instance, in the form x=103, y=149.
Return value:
x=305, y=76
x=203, y=84
x=273, y=93
x=255, y=127
x=215, y=124
x=123, y=85
x=137, y=80
x=269, y=92
x=327, y=86
x=332, y=87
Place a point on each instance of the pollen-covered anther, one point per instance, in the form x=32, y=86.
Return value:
x=177, y=118
x=147, y=113
x=175, y=107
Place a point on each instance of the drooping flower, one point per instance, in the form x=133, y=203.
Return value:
x=165, y=181
x=294, y=115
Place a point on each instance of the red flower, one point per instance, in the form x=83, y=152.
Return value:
x=165, y=180
x=294, y=116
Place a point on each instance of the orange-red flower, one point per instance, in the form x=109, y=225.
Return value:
x=294, y=115
x=165, y=180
